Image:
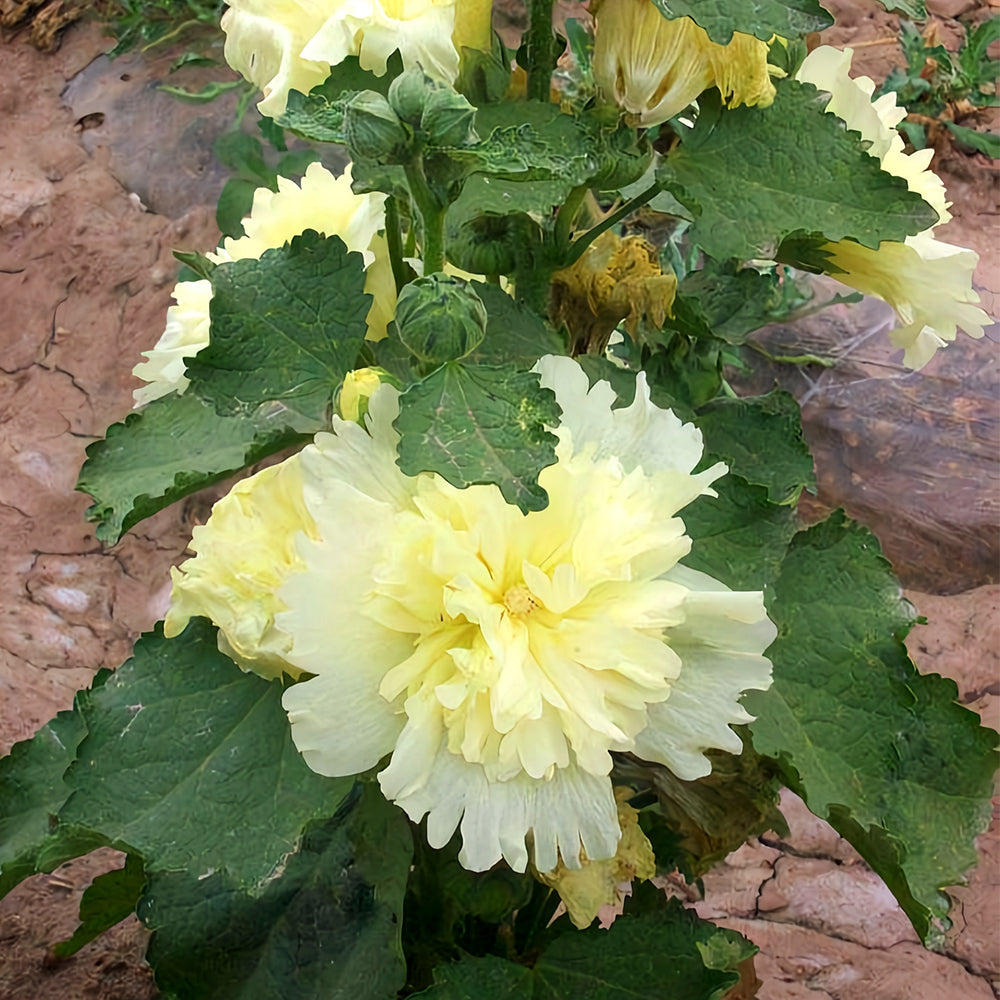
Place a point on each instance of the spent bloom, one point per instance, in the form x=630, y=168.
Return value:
x=285, y=45
x=500, y=658
x=926, y=281
x=655, y=66
x=596, y=884
x=323, y=202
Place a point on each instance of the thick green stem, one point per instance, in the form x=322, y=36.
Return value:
x=432, y=214
x=581, y=243
x=541, y=45
x=394, y=237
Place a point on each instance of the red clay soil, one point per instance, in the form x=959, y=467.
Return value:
x=87, y=223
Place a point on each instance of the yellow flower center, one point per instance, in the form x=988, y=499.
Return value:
x=519, y=601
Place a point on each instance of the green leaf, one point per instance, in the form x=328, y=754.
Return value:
x=286, y=327
x=233, y=206
x=485, y=195
x=319, y=115
x=325, y=927
x=668, y=949
x=32, y=791
x=763, y=18
x=189, y=762
x=982, y=142
x=739, y=537
x=656, y=949
x=760, y=439
x=479, y=424
x=752, y=176
x=685, y=356
x=600, y=369
x=885, y=752
x=808, y=252
x=485, y=978
x=513, y=332
x=534, y=140
x=736, y=301
x=913, y=9
x=170, y=448
x=107, y=901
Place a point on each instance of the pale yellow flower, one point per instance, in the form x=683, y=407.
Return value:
x=186, y=333
x=285, y=45
x=264, y=43
x=926, y=281
x=321, y=201
x=595, y=884
x=654, y=66
x=500, y=658
x=245, y=553
x=372, y=30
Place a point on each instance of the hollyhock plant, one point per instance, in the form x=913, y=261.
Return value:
x=505, y=608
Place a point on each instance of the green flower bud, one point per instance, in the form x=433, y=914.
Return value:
x=373, y=130
x=408, y=94
x=495, y=244
x=440, y=319
x=448, y=119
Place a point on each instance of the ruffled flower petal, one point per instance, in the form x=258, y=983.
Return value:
x=572, y=810
x=373, y=29
x=264, y=43
x=186, y=333
x=245, y=552
x=721, y=645
x=926, y=281
x=655, y=66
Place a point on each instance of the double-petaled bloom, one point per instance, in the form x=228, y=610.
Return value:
x=285, y=45
x=926, y=281
x=323, y=202
x=497, y=659
x=654, y=66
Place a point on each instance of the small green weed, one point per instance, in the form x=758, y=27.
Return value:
x=940, y=88
x=144, y=23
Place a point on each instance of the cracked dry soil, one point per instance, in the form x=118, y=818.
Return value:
x=90, y=209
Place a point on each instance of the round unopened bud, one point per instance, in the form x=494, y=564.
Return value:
x=372, y=128
x=408, y=94
x=352, y=400
x=440, y=319
x=448, y=119
x=495, y=244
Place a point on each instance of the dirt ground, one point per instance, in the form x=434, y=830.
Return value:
x=91, y=204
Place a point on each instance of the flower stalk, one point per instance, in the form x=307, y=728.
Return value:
x=540, y=42
x=432, y=214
